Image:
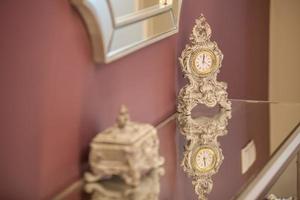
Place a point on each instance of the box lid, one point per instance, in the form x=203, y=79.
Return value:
x=124, y=131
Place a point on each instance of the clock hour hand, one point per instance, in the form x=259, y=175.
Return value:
x=203, y=59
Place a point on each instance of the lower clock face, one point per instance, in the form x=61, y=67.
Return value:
x=204, y=62
x=205, y=159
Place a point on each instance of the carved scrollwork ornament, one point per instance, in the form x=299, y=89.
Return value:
x=200, y=63
x=203, y=136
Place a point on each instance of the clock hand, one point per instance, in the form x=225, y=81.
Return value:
x=204, y=159
x=203, y=58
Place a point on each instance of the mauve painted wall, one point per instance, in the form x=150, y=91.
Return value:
x=54, y=99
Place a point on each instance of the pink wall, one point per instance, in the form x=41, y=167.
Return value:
x=54, y=99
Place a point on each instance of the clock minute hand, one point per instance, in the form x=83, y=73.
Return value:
x=204, y=159
x=203, y=59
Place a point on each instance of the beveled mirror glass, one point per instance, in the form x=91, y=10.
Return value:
x=119, y=27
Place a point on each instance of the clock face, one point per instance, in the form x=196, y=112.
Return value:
x=205, y=159
x=204, y=62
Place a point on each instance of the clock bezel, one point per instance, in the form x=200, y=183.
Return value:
x=196, y=167
x=214, y=66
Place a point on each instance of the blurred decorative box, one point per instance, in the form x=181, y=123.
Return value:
x=114, y=189
x=127, y=149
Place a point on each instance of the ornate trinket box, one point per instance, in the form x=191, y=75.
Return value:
x=127, y=149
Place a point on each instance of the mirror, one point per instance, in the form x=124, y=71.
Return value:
x=118, y=28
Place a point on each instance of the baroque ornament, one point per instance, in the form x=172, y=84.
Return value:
x=202, y=155
x=201, y=62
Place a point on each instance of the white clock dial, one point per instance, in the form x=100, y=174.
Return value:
x=203, y=62
x=205, y=159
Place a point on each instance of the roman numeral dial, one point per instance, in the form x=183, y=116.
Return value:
x=203, y=62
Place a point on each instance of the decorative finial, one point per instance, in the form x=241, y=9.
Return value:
x=201, y=31
x=123, y=117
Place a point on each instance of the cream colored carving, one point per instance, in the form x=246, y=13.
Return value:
x=201, y=90
x=203, y=132
x=148, y=189
x=273, y=197
x=128, y=149
x=206, y=90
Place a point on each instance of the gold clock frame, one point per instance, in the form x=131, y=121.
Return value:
x=214, y=65
x=215, y=152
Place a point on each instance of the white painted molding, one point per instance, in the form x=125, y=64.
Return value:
x=120, y=27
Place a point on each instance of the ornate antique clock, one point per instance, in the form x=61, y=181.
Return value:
x=200, y=62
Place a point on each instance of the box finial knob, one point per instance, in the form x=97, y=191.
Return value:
x=123, y=117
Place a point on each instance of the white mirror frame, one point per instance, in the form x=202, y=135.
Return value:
x=104, y=26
